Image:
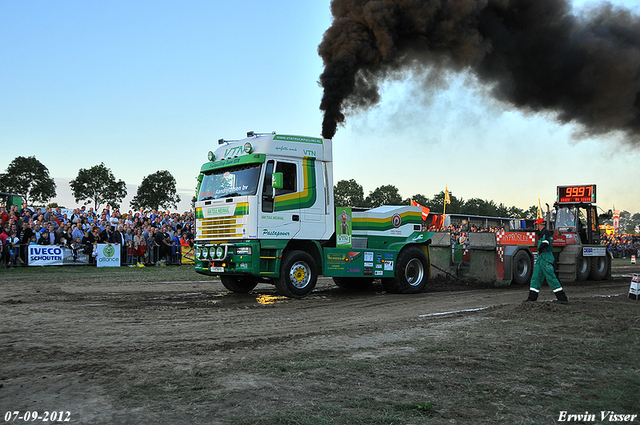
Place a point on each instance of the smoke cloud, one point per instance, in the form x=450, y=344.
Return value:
x=536, y=55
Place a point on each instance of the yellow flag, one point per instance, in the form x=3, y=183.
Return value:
x=446, y=195
x=539, y=212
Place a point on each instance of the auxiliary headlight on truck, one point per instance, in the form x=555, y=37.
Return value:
x=219, y=252
x=243, y=250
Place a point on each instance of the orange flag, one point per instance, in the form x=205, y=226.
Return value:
x=425, y=210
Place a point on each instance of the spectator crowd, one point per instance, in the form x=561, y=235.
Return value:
x=620, y=246
x=623, y=246
x=144, y=237
x=156, y=237
x=460, y=231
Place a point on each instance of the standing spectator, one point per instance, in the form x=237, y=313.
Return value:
x=87, y=243
x=76, y=247
x=175, y=248
x=91, y=243
x=47, y=214
x=14, y=242
x=106, y=236
x=44, y=238
x=25, y=209
x=140, y=247
x=119, y=238
x=149, y=235
x=4, y=247
x=27, y=234
x=52, y=236
x=163, y=247
x=4, y=215
x=77, y=232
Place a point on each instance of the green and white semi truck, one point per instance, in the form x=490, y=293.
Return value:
x=265, y=213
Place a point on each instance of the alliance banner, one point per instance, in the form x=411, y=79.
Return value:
x=108, y=255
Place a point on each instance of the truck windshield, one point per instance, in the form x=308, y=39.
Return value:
x=566, y=219
x=237, y=181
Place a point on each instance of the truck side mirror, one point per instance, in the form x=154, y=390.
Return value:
x=277, y=180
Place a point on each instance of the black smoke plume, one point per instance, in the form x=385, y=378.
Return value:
x=536, y=55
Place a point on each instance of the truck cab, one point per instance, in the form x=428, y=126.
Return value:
x=254, y=197
x=265, y=213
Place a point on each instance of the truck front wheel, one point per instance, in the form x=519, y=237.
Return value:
x=298, y=275
x=238, y=284
x=411, y=273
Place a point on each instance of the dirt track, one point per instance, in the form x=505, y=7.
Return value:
x=91, y=349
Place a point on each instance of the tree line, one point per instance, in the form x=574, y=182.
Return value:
x=349, y=193
x=29, y=178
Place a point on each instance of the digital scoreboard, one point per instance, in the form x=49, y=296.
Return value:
x=577, y=194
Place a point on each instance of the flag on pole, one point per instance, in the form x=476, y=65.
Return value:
x=447, y=200
x=539, y=212
x=425, y=210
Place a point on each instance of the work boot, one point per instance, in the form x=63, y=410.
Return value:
x=533, y=296
x=562, y=297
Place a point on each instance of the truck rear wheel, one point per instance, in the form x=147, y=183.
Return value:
x=238, y=284
x=583, y=268
x=522, y=269
x=411, y=273
x=298, y=275
x=599, y=267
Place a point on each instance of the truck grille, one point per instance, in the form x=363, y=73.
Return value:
x=219, y=228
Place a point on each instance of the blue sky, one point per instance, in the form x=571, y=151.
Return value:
x=148, y=86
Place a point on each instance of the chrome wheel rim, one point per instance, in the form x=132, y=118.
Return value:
x=300, y=274
x=414, y=272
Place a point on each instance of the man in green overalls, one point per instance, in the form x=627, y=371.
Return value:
x=544, y=265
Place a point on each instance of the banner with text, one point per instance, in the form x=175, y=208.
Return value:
x=108, y=255
x=53, y=255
